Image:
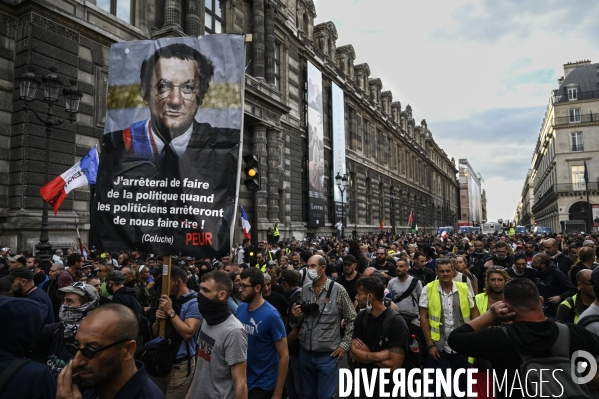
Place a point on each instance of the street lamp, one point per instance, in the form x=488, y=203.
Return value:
x=393, y=194
x=51, y=83
x=342, y=183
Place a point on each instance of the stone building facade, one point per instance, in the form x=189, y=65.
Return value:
x=568, y=138
x=471, y=195
x=385, y=145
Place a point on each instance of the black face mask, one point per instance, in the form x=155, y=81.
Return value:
x=214, y=312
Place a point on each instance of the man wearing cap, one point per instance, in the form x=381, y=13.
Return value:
x=350, y=276
x=86, y=271
x=23, y=286
x=77, y=301
x=15, y=262
x=115, y=285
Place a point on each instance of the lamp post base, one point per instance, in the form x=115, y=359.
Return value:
x=43, y=253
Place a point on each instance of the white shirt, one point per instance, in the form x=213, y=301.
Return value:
x=447, y=305
x=178, y=144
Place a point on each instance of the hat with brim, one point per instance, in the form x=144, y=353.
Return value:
x=89, y=292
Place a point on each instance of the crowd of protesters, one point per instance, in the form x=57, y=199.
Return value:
x=277, y=319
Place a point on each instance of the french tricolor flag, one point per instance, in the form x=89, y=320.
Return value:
x=444, y=235
x=245, y=224
x=82, y=173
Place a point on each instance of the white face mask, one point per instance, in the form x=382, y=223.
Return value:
x=313, y=275
x=368, y=304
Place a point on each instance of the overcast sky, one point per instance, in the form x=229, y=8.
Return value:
x=479, y=72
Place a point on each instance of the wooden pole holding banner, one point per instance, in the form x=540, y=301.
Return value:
x=166, y=282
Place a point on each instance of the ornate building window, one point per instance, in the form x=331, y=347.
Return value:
x=351, y=199
x=366, y=139
x=368, y=201
x=123, y=9
x=277, y=66
x=215, y=17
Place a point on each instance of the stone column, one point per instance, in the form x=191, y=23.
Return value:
x=258, y=39
x=269, y=25
x=193, y=22
x=259, y=149
x=274, y=159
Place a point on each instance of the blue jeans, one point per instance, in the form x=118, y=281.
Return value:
x=320, y=374
x=293, y=381
x=452, y=361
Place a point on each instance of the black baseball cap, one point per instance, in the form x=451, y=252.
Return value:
x=115, y=275
x=349, y=259
x=291, y=276
x=21, y=272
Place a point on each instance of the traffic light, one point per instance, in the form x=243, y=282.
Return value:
x=250, y=255
x=252, y=172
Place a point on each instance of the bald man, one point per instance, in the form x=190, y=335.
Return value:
x=559, y=259
x=103, y=358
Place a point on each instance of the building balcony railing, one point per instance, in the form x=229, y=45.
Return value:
x=582, y=95
x=561, y=188
x=577, y=147
x=566, y=120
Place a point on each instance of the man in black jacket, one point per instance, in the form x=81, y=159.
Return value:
x=115, y=285
x=477, y=260
x=553, y=285
x=530, y=333
x=559, y=259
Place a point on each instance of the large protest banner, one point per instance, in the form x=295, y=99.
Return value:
x=338, y=147
x=168, y=176
x=316, y=216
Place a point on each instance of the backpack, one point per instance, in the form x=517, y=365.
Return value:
x=159, y=354
x=562, y=384
x=10, y=371
x=587, y=320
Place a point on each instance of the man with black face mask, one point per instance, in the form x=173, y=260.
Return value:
x=502, y=256
x=477, y=260
x=222, y=343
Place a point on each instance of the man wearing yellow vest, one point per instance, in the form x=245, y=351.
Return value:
x=261, y=262
x=275, y=234
x=572, y=307
x=444, y=306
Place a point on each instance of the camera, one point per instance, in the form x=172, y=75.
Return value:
x=308, y=308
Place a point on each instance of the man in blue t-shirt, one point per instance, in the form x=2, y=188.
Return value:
x=268, y=356
x=180, y=309
x=23, y=286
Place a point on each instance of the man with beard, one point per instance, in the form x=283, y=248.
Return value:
x=419, y=271
x=39, y=276
x=529, y=251
x=383, y=263
x=501, y=257
x=103, y=359
x=569, y=311
x=405, y=291
x=520, y=269
x=141, y=292
x=22, y=286
x=222, y=344
x=350, y=276
x=51, y=287
x=268, y=355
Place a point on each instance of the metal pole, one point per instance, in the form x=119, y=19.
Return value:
x=166, y=282
x=254, y=227
x=589, y=212
x=44, y=245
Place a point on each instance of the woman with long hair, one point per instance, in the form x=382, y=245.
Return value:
x=461, y=265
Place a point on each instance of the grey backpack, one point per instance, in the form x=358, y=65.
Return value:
x=556, y=383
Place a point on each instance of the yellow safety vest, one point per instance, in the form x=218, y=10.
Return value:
x=435, y=308
x=566, y=303
x=275, y=232
x=263, y=268
x=482, y=302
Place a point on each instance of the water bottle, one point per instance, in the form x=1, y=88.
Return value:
x=414, y=347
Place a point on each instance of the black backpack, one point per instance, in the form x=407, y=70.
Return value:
x=159, y=354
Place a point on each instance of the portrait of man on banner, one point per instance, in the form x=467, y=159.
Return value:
x=174, y=114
